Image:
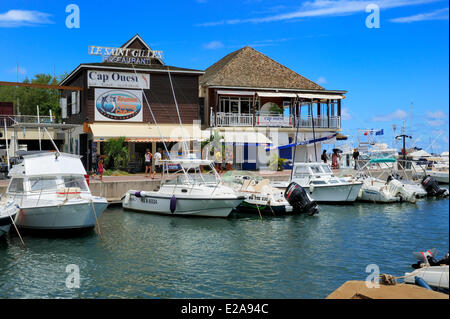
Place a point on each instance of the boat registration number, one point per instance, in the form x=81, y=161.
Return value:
x=149, y=200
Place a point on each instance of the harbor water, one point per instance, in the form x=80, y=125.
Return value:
x=151, y=256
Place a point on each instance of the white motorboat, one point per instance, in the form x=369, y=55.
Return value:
x=188, y=192
x=322, y=185
x=434, y=273
x=379, y=191
x=52, y=194
x=8, y=212
x=261, y=197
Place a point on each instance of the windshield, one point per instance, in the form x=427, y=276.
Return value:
x=75, y=181
x=327, y=169
x=42, y=183
x=316, y=169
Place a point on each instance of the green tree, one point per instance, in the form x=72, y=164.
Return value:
x=117, y=154
x=25, y=99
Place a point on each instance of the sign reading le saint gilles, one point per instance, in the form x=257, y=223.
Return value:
x=125, y=55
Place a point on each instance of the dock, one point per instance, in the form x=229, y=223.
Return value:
x=355, y=289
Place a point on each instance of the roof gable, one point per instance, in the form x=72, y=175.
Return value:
x=248, y=67
x=137, y=42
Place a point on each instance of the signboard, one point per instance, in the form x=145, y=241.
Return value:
x=118, y=105
x=277, y=121
x=118, y=79
x=125, y=55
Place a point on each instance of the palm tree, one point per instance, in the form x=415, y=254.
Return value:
x=116, y=151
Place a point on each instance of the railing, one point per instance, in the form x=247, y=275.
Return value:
x=272, y=120
x=319, y=122
x=14, y=119
x=233, y=119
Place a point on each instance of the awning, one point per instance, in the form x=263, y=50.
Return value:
x=246, y=93
x=320, y=96
x=144, y=132
x=276, y=94
x=241, y=138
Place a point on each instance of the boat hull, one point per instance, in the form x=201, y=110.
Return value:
x=334, y=194
x=435, y=276
x=248, y=207
x=370, y=195
x=185, y=206
x=71, y=215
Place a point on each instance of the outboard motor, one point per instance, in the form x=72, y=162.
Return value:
x=432, y=187
x=299, y=200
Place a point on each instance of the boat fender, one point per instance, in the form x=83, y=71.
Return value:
x=137, y=194
x=422, y=283
x=311, y=188
x=173, y=204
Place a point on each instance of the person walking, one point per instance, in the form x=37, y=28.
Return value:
x=148, y=163
x=158, y=165
x=356, y=157
x=324, y=156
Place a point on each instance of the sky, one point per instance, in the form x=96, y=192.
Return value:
x=395, y=71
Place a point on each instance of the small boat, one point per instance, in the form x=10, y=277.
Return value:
x=379, y=191
x=187, y=192
x=261, y=197
x=8, y=212
x=52, y=193
x=322, y=185
x=434, y=273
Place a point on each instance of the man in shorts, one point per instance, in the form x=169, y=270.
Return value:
x=158, y=165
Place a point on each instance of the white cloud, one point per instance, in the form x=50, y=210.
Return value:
x=397, y=115
x=19, y=18
x=437, y=118
x=441, y=14
x=213, y=45
x=321, y=80
x=345, y=115
x=20, y=70
x=322, y=8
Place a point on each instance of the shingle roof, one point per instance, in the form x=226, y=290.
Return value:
x=248, y=67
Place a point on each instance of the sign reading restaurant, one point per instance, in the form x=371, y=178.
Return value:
x=125, y=55
x=118, y=79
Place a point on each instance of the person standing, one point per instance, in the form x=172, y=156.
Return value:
x=334, y=159
x=356, y=157
x=148, y=163
x=218, y=161
x=100, y=168
x=324, y=156
x=158, y=165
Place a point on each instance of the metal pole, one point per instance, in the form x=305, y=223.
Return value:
x=7, y=147
x=39, y=129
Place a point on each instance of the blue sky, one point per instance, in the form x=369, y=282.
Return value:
x=384, y=70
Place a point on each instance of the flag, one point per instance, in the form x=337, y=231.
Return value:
x=380, y=132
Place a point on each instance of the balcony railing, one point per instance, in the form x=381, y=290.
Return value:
x=319, y=122
x=14, y=119
x=272, y=120
x=234, y=119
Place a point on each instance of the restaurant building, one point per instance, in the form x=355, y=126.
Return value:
x=254, y=102
x=131, y=94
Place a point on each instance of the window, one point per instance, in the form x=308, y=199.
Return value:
x=16, y=185
x=42, y=183
x=327, y=169
x=75, y=181
x=316, y=170
x=235, y=104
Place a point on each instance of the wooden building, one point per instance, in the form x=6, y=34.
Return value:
x=248, y=94
x=118, y=96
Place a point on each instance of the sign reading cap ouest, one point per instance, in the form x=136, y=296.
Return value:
x=118, y=105
x=118, y=79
